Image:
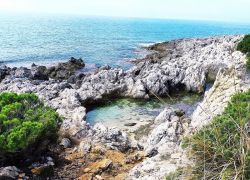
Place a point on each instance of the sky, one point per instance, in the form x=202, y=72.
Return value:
x=221, y=10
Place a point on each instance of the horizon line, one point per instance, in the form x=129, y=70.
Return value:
x=126, y=17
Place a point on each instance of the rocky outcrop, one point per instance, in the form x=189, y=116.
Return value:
x=228, y=82
x=63, y=71
x=230, y=77
x=103, y=84
x=163, y=148
x=176, y=65
x=39, y=72
x=186, y=63
x=180, y=64
x=4, y=71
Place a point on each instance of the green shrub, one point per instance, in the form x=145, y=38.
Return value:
x=24, y=120
x=222, y=149
x=248, y=60
x=244, y=45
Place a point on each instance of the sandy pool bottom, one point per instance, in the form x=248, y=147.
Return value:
x=125, y=112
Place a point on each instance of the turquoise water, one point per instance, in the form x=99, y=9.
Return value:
x=122, y=111
x=45, y=39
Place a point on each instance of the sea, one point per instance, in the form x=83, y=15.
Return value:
x=46, y=39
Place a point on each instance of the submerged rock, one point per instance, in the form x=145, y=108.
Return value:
x=130, y=124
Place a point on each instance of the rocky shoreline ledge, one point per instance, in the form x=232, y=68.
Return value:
x=179, y=65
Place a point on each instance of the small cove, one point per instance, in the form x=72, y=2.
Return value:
x=119, y=112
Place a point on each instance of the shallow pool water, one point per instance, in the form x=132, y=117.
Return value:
x=122, y=111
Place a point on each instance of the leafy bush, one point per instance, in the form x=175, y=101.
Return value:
x=244, y=45
x=222, y=149
x=24, y=120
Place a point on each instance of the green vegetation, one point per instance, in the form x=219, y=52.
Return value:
x=222, y=149
x=174, y=175
x=24, y=120
x=248, y=60
x=244, y=47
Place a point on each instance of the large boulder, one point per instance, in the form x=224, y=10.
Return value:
x=39, y=72
x=4, y=71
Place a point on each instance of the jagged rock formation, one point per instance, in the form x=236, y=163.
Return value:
x=181, y=64
x=228, y=82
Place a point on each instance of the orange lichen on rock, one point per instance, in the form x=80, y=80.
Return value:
x=99, y=163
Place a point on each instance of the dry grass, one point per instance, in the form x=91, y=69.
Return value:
x=221, y=150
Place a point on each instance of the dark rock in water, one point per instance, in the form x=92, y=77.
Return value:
x=130, y=124
x=9, y=173
x=180, y=112
x=158, y=47
x=4, y=71
x=39, y=72
x=63, y=71
x=106, y=67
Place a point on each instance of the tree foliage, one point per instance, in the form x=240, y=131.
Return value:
x=24, y=120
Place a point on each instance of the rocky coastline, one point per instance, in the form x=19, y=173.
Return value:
x=85, y=151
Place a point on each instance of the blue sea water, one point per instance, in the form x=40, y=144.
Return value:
x=43, y=39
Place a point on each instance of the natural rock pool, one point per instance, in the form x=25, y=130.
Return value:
x=125, y=113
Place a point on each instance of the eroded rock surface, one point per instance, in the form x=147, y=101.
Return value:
x=163, y=148
x=180, y=64
x=165, y=154
x=176, y=65
x=228, y=82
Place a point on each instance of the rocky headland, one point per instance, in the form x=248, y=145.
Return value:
x=99, y=152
